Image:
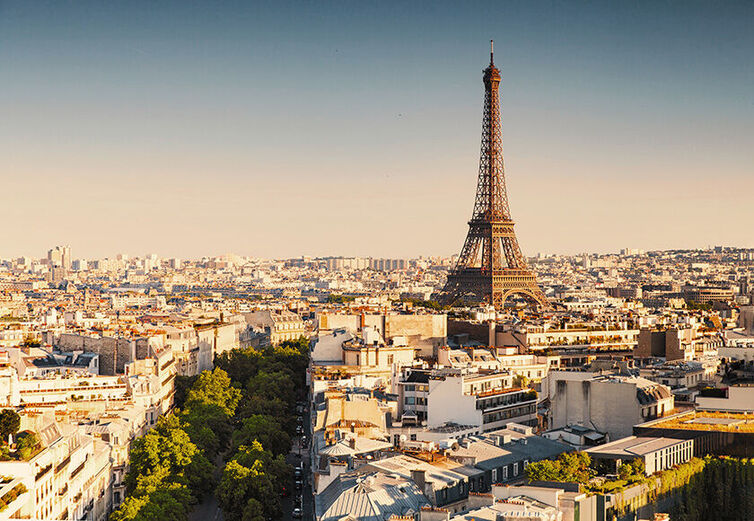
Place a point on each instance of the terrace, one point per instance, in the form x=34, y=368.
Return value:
x=708, y=421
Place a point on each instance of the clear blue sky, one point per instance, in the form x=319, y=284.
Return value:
x=280, y=129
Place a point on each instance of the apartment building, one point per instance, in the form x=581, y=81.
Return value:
x=608, y=403
x=657, y=454
x=68, y=477
x=282, y=325
x=484, y=399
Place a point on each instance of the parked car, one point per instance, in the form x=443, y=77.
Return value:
x=299, y=429
x=297, y=513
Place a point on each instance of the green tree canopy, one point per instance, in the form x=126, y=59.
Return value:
x=169, y=502
x=214, y=387
x=168, y=451
x=250, y=485
x=271, y=386
x=264, y=429
x=569, y=467
x=208, y=426
x=10, y=422
x=27, y=443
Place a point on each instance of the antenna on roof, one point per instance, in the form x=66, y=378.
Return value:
x=492, y=52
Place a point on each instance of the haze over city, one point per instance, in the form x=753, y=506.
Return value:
x=189, y=129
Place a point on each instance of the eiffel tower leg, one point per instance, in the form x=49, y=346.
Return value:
x=498, y=300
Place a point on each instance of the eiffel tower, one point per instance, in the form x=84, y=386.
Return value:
x=491, y=267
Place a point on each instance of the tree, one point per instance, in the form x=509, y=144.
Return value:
x=250, y=485
x=10, y=422
x=570, y=467
x=182, y=386
x=240, y=364
x=166, y=502
x=274, y=407
x=208, y=426
x=266, y=430
x=214, y=387
x=520, y=381
x=167, y=452
x=270, y=386
x=26, y=444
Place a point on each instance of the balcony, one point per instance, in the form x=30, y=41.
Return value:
x=62, y=464
x=78, y=469
x=42, y=472
x=502, y=400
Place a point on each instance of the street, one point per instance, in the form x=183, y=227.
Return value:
x=306, y=492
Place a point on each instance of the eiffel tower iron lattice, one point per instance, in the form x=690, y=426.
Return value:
x=491, y=267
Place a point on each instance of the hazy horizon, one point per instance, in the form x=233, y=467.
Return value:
x=276, y=130
x=131, y=255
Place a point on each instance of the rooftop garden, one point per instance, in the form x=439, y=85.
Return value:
x=11, y=495
x=718, y=421
x=576, y=467
x=26, y=444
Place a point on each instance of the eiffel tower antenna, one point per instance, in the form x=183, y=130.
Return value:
x=491, y=267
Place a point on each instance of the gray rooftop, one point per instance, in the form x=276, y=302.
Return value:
x=632, y=447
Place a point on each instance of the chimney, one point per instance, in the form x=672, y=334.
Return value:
x=419, y=477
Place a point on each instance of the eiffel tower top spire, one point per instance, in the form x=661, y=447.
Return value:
x=492, y=200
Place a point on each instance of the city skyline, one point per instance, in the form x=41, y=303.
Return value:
x=195, y=131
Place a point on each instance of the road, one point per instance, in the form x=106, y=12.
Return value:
x=306, y=493
x=209, y=510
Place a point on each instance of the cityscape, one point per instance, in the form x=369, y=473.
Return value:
x=481, y=380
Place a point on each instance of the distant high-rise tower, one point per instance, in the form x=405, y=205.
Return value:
x=60, y=256
x=491, y=267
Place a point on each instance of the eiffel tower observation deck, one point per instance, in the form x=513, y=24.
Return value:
x=491, y=267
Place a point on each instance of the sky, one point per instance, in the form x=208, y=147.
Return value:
x=280, y=129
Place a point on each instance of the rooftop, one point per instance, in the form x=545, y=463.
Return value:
x=632, y=446
x=707, y=421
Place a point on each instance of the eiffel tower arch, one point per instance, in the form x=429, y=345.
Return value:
x=491, y=267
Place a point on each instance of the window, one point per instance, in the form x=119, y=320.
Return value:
x=515, y=469
x=505, y=472
x=390, y=359
x=494, y=475
x=410, y=400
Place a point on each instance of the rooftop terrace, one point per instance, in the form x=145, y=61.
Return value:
x=708, y=421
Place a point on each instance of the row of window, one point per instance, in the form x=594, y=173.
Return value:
x=503, y=399
x=501, y=473
x=673, y=456
x=510, y=413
